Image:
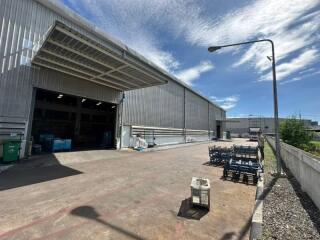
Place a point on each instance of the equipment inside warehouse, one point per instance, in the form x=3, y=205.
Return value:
x=63, y=122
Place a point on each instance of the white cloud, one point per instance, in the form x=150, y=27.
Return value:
x=135, y=23
x=226, y=102
x=299, y=63
x=191, y=74
x=274, y=19
x=307, y=71
x=141, y=25
x=290, y=24
x=299, y=78
x=261, y=18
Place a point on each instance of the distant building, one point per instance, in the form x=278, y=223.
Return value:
x=240, y=126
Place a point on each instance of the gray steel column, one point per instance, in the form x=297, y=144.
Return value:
x=121, y=119
x=184, y=115
x=28, y=130
x=209, y=120
x=275, y=93
x=276, y=117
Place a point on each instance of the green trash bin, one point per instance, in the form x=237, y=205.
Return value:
x=11, y=150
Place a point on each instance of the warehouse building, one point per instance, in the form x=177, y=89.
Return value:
x=239, y=127
x=61, y=76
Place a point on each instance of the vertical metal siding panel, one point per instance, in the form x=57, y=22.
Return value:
x=196, y=111
x=212, y=118
x=159, y=106
x=2, y=23
x=4, y=28
x=15, y=107
x=5, y=73
x=7, y=33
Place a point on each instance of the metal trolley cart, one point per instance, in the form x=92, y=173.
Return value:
x=246, y=168
x=244, y=162
x=220, y=155
x=246, y=153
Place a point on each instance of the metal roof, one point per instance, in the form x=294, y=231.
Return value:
x=66, y=50
x=130, y=53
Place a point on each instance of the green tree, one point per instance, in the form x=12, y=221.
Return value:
x=294, y=132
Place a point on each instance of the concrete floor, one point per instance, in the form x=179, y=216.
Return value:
x=124, y=195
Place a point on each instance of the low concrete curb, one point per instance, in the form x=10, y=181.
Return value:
x=256, y=222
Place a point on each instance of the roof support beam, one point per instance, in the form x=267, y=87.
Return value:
x=71, y=60
x=59, y=44
x=110, y=84
x=135, y=78
x=50, y=52
x=72, y=74
x=94, y=76
x=110, y=71
x=86, y=66
x=70, y=34
x=56, y=43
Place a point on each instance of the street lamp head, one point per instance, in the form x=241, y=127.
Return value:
x=213, y=48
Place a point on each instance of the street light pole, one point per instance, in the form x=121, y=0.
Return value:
x=275, y=93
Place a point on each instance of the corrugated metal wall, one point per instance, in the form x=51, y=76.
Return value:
x=196, y=112
x=160, y=106
x=23, y=23
x=212, y=118
x=163, y=106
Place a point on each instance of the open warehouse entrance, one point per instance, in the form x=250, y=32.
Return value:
x=62, y=122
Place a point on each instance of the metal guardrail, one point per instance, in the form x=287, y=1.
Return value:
x=11, y=129
x=165, y=132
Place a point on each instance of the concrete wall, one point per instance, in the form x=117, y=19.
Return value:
x=305, y=168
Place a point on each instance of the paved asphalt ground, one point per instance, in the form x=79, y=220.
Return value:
x=122, y=195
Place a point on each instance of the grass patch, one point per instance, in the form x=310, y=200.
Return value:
x=270, y=166
x=317, y=143
x=316, y=152
x=270, y=162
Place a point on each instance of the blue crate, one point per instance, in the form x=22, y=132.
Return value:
x=57, y=145
x=67, y=144
x=44, y=137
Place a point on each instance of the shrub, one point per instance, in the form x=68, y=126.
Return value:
x=294, y=132
x=310, y=147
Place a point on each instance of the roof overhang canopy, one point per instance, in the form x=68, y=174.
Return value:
x=70, y=52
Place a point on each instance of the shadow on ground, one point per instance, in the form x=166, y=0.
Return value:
x=305, y=200
x=90, y=213
x=219, y=165
x=244, y=230
x=27, y=173
x=187, y=210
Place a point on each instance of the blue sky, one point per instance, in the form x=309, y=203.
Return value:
x=175, y=34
